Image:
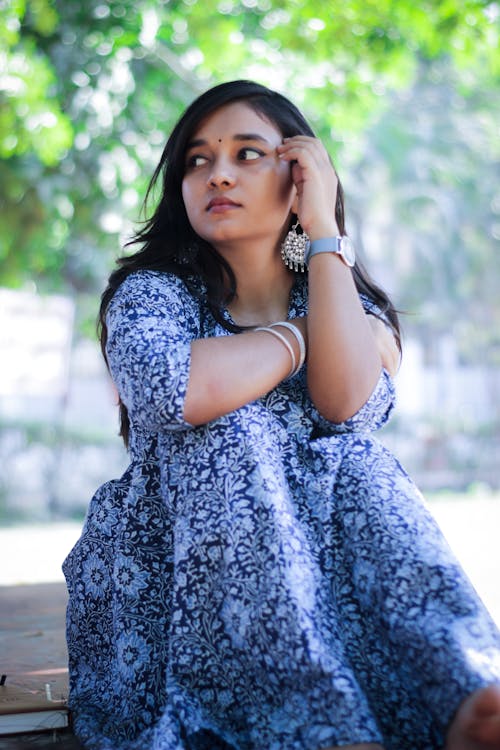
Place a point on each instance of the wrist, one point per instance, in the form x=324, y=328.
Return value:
x=297, y=340
x=291, y=339
x=319, y=231
x=339, y=245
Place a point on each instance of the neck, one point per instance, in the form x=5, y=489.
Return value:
x=263, y=284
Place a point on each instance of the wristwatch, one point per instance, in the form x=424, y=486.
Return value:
x=341, y=246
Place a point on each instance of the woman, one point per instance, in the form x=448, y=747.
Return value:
x=264, y=575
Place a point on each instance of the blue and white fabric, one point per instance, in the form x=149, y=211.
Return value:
x=268, y=581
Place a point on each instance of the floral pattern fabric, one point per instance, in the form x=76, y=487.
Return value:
x=268, y=580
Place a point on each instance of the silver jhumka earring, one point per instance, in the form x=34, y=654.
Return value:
x=294, y=248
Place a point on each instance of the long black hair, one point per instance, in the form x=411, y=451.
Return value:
x=166, y=240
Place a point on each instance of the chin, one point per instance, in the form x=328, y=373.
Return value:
x=215, y=238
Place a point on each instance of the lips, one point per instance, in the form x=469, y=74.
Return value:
x=221, y=204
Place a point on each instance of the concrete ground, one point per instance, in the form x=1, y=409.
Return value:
x=33, y=653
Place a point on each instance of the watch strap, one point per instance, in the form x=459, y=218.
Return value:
x=324, y=245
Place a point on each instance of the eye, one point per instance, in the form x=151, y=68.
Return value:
x=196, y=160
x=249, y=154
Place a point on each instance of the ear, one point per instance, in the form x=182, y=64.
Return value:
x=295, y=203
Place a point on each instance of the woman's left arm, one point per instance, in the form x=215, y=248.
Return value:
x=344, y=357
x=343, y=363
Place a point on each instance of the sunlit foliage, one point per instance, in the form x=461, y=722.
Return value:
x=404, y=93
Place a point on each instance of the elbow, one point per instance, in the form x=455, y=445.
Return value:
x=340, y=403
x=193, y=417
x=337, y=410
x=203, y=401
x=194, y=412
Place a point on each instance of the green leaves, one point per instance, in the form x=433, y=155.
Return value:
x=89, y=91
x=31, y=118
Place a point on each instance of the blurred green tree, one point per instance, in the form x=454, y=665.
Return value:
x=89, y=91
x=426, y=198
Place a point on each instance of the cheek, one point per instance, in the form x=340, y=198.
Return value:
x=188, y=198
x=288, y=191
x=185, y=193
x=286, y=188
x=286, y=194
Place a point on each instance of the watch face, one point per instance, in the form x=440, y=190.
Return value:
x=347, y=251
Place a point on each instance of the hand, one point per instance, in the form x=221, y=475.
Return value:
x=316, y=182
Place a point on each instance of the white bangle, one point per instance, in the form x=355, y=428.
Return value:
x=300, y=340
x=286, y=343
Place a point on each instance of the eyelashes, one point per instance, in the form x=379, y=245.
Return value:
x=195, y=161
x=248, y=150
x=247, y=153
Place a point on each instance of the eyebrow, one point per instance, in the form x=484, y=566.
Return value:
x=236, y=137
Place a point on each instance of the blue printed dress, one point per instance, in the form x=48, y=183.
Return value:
x=268, y=581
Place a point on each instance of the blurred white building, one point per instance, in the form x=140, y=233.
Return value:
x=59, y=419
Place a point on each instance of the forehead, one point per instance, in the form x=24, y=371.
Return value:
x=236, y=118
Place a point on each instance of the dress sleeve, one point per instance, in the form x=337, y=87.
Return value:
x=372, y=415
x=151, y=321
x=377, y=410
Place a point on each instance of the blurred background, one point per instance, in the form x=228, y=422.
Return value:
x=406, y=97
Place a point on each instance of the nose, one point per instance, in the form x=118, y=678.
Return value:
x=221, y=174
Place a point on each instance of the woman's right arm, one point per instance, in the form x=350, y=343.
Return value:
x=229, y=371
x=167, y=375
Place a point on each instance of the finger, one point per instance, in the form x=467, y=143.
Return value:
x=309, y=162
x=304, y=142
x=310, y=146
x=300, y=137
x=307, y=155
x=303, y=139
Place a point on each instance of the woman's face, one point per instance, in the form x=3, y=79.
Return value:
x=235, y=188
